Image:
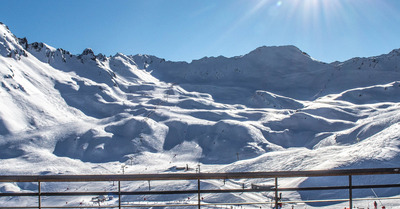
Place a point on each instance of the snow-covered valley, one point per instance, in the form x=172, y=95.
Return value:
x=273, y=109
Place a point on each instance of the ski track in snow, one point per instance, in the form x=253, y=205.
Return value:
x=273, y=109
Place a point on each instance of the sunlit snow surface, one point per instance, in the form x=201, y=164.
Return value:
x=273, y=109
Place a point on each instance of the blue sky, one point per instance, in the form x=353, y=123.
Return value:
x=183, y=30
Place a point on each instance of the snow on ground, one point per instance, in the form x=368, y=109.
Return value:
x=270, y=110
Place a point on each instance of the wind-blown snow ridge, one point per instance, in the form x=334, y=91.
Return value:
x=274, y=108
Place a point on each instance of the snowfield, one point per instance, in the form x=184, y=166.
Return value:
x=273, y=109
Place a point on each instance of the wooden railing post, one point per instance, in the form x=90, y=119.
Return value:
x=350, y=192
x=198, y=193
x=119, y=194
x=39, y=196
x=276, y=192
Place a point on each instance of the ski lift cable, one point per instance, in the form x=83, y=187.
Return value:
x=376, y=196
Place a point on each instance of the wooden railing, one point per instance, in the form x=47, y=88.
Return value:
x=39, y=179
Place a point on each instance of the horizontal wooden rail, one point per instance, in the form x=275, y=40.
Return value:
x=203, y=191
x=196, y=176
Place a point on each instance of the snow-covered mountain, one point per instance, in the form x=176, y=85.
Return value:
x=275, y=108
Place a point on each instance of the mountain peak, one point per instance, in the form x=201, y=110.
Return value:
x=287, y=47
x=283, y=51
x=88, y=54
x=4, y=26
x=88, y=51
x=395, y=52
x=10, y=46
